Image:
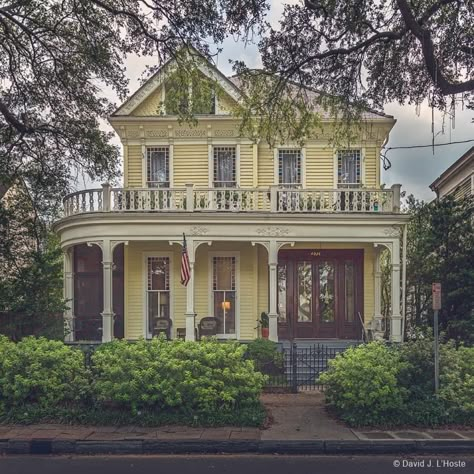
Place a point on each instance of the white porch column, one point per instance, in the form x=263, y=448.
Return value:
x=378, y=319
x=190, y=312
x=68, y=294
x=273, y=291
x=107, y=313
x=396, y=334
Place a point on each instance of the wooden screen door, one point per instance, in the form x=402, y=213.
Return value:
x=321, y=294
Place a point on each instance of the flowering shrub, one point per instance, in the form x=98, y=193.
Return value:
x=185, y=376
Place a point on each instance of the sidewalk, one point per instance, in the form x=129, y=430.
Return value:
x=299, y=425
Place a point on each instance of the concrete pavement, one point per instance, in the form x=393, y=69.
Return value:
x=298, y=424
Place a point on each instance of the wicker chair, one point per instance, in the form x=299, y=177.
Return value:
x=207, y=326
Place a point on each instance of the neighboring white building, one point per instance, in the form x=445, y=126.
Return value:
x=458, y=179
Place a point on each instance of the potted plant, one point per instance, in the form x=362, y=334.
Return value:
x=263, y=323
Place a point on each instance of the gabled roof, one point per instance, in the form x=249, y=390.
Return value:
x=460, y=163
x=367, y=114
x=154, y=82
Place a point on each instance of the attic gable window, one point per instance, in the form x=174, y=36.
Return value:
x=198, y=98
x=289, y=167
x=225, y=167
x=349, y=168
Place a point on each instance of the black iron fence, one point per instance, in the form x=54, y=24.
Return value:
x=297, y=368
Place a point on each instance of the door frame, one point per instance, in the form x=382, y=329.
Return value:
x=342, y=329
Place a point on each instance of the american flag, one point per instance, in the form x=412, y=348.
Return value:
x=185, y=268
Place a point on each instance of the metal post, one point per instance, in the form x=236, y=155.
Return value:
x=436, y=351
x=294, y=368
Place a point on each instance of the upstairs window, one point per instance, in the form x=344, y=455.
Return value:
x=289, y=167
x=349, y=168
x=225, y=167
x=157, y=162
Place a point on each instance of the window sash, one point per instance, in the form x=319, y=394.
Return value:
x=289, y=167
x=158, y=266
x=225, y=167
x=158, y=173
x=349, y=167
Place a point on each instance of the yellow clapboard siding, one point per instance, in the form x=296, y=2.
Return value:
x=135, y=285
x=265, y=166
x=371, y=158
x=134, y=166
x=150, y=106
x=319, y=167
x=191, y=165
x=246, y=166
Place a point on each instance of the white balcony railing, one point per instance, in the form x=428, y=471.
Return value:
x=273, y=199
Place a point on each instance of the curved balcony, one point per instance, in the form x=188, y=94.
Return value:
x=273, y=199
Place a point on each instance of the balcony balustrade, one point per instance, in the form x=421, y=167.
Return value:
x=273, y=199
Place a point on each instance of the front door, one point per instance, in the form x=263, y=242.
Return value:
x=320, y=294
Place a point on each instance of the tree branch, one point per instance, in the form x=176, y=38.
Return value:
x=446, y=86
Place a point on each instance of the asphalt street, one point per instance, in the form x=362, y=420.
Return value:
x=236, y=464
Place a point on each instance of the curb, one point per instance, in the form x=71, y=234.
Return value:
x=186, y=446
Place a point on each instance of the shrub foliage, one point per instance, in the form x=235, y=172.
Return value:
x=147, y=382
x=40, y=371
x=377, y=384
x=181, y=375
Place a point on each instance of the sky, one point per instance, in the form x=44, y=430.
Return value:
x=415, y=169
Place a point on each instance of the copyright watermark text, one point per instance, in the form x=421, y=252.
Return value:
x=430, y=463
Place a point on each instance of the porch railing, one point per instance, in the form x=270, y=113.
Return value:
x=274, y=199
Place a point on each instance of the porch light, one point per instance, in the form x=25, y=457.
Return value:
x=226, y=305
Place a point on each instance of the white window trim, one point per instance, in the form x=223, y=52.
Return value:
x=145, y=161
x=211, y=255
x=145, y=256
x=276, y=163
x=362, y=164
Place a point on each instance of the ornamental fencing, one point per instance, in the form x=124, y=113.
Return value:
x=292, y=369
x=297, y=368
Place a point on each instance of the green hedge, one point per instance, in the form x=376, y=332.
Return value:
x=203, y=377
x=377, y=384
x=146, y=382
x=40, y=371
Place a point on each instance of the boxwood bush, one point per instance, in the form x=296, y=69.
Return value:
x=377, y=384
x=40, y=371
x=184, y=376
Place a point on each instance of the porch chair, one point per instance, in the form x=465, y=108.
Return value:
x=207, y=327
x=162, y=325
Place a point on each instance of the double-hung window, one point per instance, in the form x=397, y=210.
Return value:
x=349, y=168
x=289, y=167
x=158, y=291
x=225, y=175
x=224, y=293
x=158, y=167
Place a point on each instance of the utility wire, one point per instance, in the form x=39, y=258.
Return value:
x=387, y=163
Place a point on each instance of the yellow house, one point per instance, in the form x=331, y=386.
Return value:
x=293, y=231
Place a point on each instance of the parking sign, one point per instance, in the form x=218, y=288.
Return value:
x=436, y=290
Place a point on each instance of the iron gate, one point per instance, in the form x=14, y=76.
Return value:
x=298, y=368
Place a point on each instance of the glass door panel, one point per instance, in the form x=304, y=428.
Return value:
x=305, y=291
x=326, y=292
